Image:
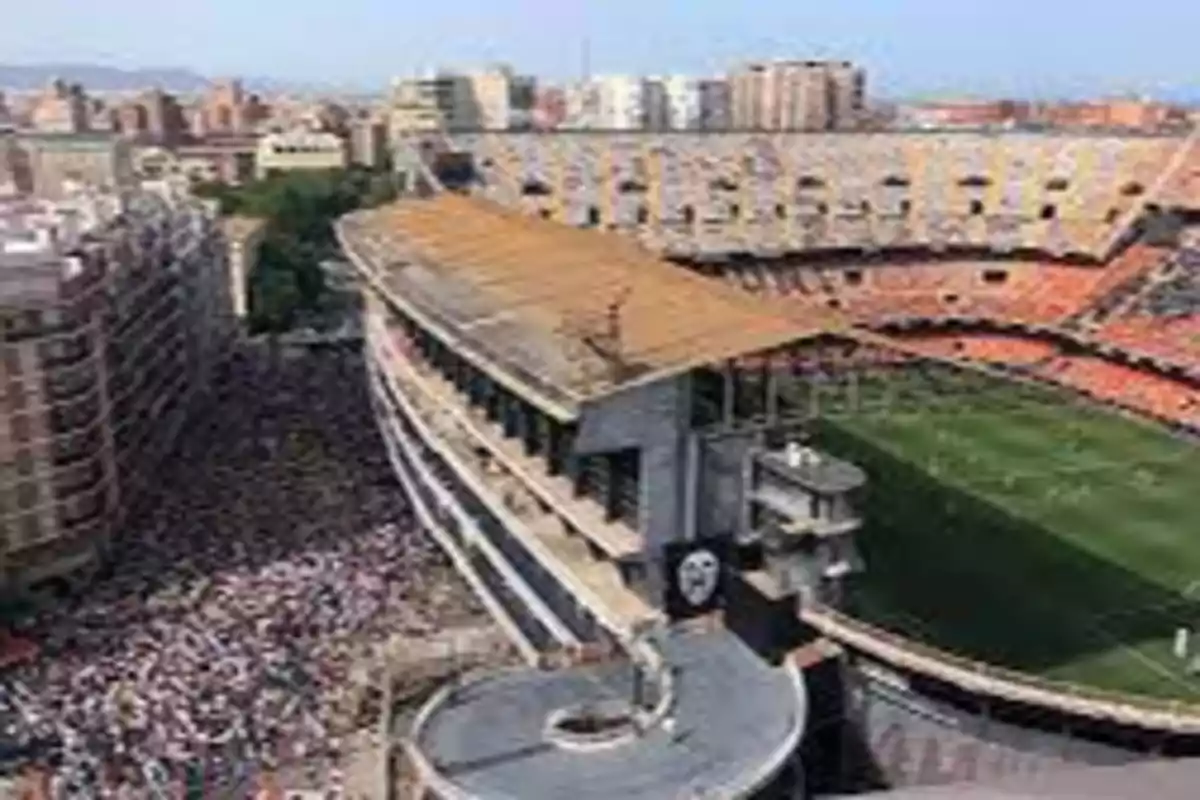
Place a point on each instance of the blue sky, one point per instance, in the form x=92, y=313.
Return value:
x=911, y=47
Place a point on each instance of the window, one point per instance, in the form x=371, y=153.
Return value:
x=17, y=400
x=975, y=182
x=689, y=214
x=534, y=188
x=976, y=208
x=735, y=211
x=27, y=496
x=995, y=277
x=1132, y=189
x=593, y=216
x=1057, y=185
x=12, y=360
x=905, y=208
x=853, y=277
x=1048, y=212
x=545, y=213
x=895, y=182
x=810, y=182
x=22, y=432
x=31, y=529
x=643, y=215
x=780, y=211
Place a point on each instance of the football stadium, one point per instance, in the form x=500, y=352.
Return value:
x=1008, y=520
x=1001, y=332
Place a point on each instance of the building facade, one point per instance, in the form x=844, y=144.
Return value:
x=61, y=108
x=300, y=149
x=797, y=96
x=58, y=163
x=618, y=103
x=115, y=313
x=367, y=142
x=696, y=104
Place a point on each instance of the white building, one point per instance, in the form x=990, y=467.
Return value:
x=299, y=149
x=493, y=99
x=617, y=102
x=696, y=104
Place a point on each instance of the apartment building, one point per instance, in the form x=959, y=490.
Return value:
x=367, y=142
x=57, y=164
x=495, y=99
x=797, y=96
x=300, y=149
x=417, y=105
x=154, y=115
x=60, y=108
x=226, y=109
x=696, y=104
x=114, y=311
x=617, y=103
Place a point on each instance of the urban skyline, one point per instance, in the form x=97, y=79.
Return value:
x=994, y=51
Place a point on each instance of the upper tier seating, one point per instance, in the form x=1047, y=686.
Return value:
x=1164, y=323
x=792, y=192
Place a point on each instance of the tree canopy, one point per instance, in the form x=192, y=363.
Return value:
x=299, y=208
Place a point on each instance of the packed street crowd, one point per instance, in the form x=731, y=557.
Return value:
x=279, y=555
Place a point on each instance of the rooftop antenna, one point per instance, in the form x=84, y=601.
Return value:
x=606, y=343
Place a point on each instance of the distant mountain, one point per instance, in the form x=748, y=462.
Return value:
x=100, y=78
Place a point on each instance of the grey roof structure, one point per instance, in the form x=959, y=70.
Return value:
x=736, y=720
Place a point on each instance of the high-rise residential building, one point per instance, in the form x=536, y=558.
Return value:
x=367, y=141
x=58, y=164
x=115, y=311
x=618, y=103
x=696, y=104
x=714, y=105
x=226, y=110
x=60, y=108
x=418, y=105
x=550, y=108
x=797, y=95
x=656, y=106
x=153, y=115
x=494, y=99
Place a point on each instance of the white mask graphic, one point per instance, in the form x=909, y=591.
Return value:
x=697, y=576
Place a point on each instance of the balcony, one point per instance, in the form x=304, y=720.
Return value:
x=563, y=533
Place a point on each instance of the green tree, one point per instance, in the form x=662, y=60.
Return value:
x=300, y=208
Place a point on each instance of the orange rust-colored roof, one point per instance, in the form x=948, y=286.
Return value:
x=562, y=282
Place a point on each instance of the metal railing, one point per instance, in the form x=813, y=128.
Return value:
x=1147, y=712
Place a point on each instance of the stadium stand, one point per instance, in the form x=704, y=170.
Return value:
x=1043, y=256
x=1022, y=230
x=1060, y=195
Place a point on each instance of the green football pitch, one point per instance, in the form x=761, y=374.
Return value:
x=1022, y=528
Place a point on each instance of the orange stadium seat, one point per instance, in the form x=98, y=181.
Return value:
x=1129, y=387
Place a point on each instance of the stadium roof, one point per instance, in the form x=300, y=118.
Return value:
x=534, y=297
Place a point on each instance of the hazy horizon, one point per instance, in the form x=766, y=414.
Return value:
x=919, y=48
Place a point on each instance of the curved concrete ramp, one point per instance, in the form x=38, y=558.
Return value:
x=736, y=722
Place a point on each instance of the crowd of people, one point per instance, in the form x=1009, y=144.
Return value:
x=223, y=636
